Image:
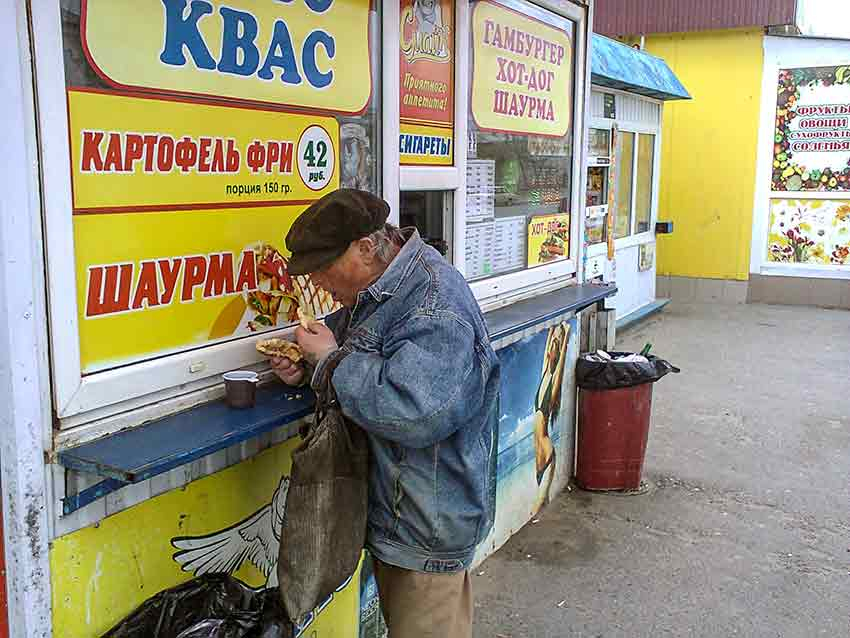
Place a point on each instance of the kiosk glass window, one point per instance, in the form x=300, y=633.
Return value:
x=520, y=149
x=596, y=202
x=195, y=142
x=599, y=142
x=430, y=212
x=597, y=198
x=625, y=177
x=643, y=193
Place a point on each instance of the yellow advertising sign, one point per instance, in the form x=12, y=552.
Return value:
x=522, y=72
x=135, y=153
x=548, y=238
x=307, y=53
x=153, y=283
x=426, y=145
x=229, y=521
x=426, y=82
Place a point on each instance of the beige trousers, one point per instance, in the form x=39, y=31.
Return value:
x=424, y=605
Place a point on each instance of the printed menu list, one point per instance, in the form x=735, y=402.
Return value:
x=494, y=247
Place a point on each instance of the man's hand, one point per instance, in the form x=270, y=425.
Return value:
x=317, y=342
x=288, y=372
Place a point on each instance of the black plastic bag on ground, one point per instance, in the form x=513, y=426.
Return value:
x=324, y=529
x=595, y=374
x=209, y=606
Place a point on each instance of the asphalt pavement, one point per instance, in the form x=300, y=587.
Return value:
x=745, y=530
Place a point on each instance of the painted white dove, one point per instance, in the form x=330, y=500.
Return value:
x=256, y=539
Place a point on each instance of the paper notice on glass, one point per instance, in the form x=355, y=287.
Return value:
x=480, y=190
x=509, y=240
x=479, y=249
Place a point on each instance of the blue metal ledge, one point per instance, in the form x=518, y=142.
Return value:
x=619, y=66
x=137, y=454
x=524, y=314
x=140, y=453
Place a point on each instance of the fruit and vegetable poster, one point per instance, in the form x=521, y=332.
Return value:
x=522, y=70
x=809, y=231
x=426, y=82
x=197, y=137
x=811, y=150
x=548, y=238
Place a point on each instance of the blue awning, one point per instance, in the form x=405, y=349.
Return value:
x=619, y=66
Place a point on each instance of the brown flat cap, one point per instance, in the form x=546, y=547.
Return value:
x=323, y=232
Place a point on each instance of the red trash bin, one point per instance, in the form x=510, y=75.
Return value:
x=612, y=434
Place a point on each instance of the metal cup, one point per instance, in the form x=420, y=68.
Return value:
x=240, y=389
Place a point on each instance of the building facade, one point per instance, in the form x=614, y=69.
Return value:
x=735, y=158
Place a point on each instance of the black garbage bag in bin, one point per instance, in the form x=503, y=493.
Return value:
x=595, y=373
x=209, y=606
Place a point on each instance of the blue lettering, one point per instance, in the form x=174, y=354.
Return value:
x=281, y=55
x=319, y=6
x=315, y=77
x=180, y=32
x=239, y=30
x=446, y=147
x=419, y=149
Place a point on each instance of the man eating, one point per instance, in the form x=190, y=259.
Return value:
x=411, y=364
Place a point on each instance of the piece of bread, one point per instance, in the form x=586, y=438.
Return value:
x=305, y=317
x=280, y=348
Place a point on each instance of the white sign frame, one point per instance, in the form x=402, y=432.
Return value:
x=784, y=53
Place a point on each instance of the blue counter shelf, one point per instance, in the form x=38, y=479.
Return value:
x=140, y=453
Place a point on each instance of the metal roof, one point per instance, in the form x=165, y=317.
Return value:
x=641, y=17
x=619, y=66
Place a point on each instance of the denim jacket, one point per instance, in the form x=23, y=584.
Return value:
x=416, y=371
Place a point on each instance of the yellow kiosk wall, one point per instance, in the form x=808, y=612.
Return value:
x=708, y=155
x=101, y=573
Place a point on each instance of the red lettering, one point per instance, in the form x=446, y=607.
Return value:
x=165, y=154
x=133, y=153
x=233, y=158
x=218, y=157
x=219, y=276
x=169, y=270
x=150, y=142
x=523, y=103
x=286, y=157
x=272, y=156
x=488, y=29
x=194, y=273
x=497, y=38
x=501, y=76
x=147, y=289
x=500, y=102
x=247, y=272
x=204, y=155
x=91, y=151
x=256, y=156
x=109, y=289
x=513, y=110
x=113, y=161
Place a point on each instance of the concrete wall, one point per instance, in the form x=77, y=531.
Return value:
x=766, y=289
x=708, y=158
